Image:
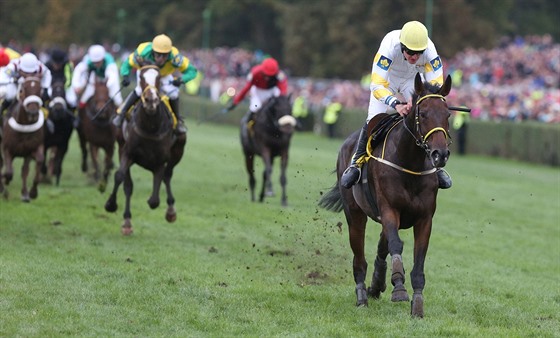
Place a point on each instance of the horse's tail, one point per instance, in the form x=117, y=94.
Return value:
x=332, y=199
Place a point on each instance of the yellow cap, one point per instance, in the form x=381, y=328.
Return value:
x=414, y=36
x=162, y=44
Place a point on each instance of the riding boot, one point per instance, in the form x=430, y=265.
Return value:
x=5, y=105
x=180, y=129
x=123, y=109
x=352, y=174
x=249, y=116
x=444, y=179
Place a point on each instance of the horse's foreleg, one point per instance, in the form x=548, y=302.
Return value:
x=153, y=201
x=170, y=214
x=395, y=245
x=128, y=188
x=111, y=204
x=94, y=153
x=283, y=179
x=250, y=165
x=421, y=241
x=357, y=231
x=83, y=147
x=378, y=281
x=109, y=151
x=24, y=173
x=267, y=173
x=39, y=161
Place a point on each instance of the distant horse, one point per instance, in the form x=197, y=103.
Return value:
x=268, y=136
x=96, y=129
x=57, y=140
x=398, y=188
x=149, y=141
x=23, y=136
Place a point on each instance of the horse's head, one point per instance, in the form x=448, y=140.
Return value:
x=100, y=99
x=57, y=104
x=430, y=116
x=29, y=96
x=279, y=111
x=150, y=83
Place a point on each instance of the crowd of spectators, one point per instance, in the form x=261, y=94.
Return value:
x=517, y=80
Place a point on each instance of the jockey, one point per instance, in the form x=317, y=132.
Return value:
x=401, y=55
x=264, y=81
x=97, y=63
x=162, y=53
x=13, y=73
x=61, y=69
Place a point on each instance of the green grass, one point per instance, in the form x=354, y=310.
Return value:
x=229, y=267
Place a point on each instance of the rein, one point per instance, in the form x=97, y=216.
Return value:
x=422, y=142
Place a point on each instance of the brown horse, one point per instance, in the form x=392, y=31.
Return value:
x=268, y=136
x=398, y=188
x=95, y=128
x=149, y=141
x=57, y=140
x=23, y=134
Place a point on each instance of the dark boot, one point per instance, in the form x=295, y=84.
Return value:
x=352, y=174
x=123, y=109
x=174, y=104
x=444, y=179
x=5, y=105
x=249, y=116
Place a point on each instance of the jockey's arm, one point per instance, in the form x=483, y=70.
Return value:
x=189, y=73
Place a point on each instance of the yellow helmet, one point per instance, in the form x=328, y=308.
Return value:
x=414, y=36
x=162, y=44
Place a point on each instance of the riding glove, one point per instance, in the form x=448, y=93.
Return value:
x=177, y=82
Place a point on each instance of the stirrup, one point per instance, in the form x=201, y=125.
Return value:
x=350, y=176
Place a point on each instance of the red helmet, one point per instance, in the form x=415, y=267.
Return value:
x=4, y=58
x=270, y=67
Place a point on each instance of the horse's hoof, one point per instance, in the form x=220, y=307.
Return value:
x=361, y=296
x=33, y=193
x=110, y=206
x=102, y=186
x=417, y=305
x=171, y=215
x=127, y=231
x=25, y=199
x=375, y=291
x=153, y=203
x=399, y=294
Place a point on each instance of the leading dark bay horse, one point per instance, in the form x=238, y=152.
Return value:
x=56, y=140
x=149, y=141
x=268, y=136
x=23, y=134
x=96, y=129
x=398, y=188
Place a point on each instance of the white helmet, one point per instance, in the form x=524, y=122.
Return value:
x=96, y=53
x=29, y=63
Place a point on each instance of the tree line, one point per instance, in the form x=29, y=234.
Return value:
x=317, y=38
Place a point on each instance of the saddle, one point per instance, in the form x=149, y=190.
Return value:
x=378, y=127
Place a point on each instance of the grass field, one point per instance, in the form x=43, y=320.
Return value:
x=229, y=267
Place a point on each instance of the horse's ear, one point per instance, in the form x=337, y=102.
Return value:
x=446, y=88
x=418, y=84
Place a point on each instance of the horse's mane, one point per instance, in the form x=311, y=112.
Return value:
x=429, y=88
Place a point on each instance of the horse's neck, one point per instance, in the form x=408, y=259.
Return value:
x=150, y=122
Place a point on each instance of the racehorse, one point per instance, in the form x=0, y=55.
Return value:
x=23, y=136
x=96, y=129
x=268, y=136
x=57, y=139
x=398, y=188
x=149, y=141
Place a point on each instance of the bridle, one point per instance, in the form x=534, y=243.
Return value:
x=422, y=140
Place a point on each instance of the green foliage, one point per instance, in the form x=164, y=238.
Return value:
x=326, y=38
x=229, y=267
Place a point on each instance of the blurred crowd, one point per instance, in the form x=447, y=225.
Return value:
x=518, y=80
